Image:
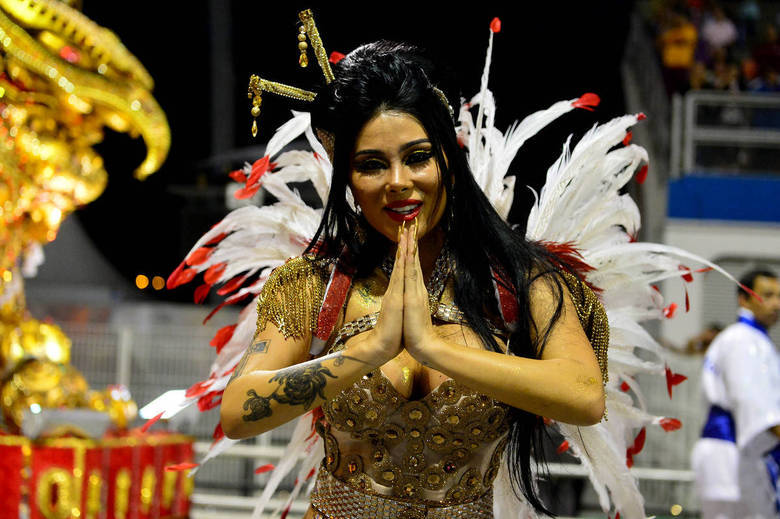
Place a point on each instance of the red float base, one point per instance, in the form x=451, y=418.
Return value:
x=114, y=478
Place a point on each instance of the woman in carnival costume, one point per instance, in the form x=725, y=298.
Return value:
x=423, y=337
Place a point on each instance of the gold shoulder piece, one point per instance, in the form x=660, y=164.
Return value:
x=292, y=296
x=593, y=318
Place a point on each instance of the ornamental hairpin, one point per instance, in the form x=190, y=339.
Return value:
x=308, y=30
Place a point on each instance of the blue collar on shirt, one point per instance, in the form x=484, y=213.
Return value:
x=747, y=317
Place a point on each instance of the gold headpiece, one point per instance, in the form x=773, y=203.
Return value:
x=258, y=85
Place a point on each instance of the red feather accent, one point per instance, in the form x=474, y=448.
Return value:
x=670, y=424
x=246, y=192
x=264, y=468
x=495, y=25
x=570, y=257
x=199, y=256
x=641, y=176
x=198, y=388
x=624, y=386
x=201, y=292
x=231, y=285
x=639, y=441
x=180, y=466
x=629, y=458
x=213, y=272
x=310, y=474
x=216, y=239
x=229, y=301
x=669, y=310
x=335, y=57
x=641, y=116
x=587, y=101
x=617, y=515
x=563, y=447
x=222, y=336
x=218, y=433
x=673, y=379
x=688, y=276
x=210, y=400
x=180, y=276
x=259, y=168
x=627, y=138
x=687, y=301
x=238, y=175
x=150, y=422
x=655, y=287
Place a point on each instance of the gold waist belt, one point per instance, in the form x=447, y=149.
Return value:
x=333, y=499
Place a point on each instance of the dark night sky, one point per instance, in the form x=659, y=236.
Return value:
x=546, y=51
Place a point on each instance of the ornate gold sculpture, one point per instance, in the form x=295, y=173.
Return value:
x=63, y=78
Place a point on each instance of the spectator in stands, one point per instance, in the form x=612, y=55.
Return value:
x=767, y=53
x=734, y=459
x=677, y=45
x=718, y=31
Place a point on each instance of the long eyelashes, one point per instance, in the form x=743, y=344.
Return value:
x=415, y=159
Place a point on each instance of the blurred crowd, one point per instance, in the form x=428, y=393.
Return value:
x=704, y=44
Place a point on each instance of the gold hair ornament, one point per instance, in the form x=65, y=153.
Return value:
x=258, y=85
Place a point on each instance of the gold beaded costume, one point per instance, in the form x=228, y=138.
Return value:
x=391, y=456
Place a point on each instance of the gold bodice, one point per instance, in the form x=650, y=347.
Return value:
x=443, y=448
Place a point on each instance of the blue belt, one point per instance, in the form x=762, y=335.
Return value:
x=719, y=425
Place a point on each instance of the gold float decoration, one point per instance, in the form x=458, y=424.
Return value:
x=63, y=79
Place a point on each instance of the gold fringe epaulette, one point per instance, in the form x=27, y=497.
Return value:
x=292, y=296
x=593, y=318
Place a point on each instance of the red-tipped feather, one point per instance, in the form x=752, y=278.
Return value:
x=229, y=301
x=259, y=168
x=201, y=292
x=198, y=388
x=669, y=310
x=641, y=116
x=264, y=468
x=624, y=386
x=246, y=192
x=627, y=138
x=563, y=447
x=216, y=239
x=150, y=422
x=213, y=272
x=174, y=279
x=238, y=175
x=587, y=101
x=210, y=400
x=641, y=175
x=231, y=285
x=199, y=256
x=335, y=57
x=673, y=379
x=670, y=424
x=222, y=336
x=495, y=25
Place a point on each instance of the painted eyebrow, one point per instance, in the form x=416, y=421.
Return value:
x=402, y=148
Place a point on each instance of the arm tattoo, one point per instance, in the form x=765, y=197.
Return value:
x=297, y=385
x=256, y=347
x=300, y=384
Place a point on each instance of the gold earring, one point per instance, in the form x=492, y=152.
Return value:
x=303, y=60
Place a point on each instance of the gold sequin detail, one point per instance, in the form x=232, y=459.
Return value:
x=292, y=296
x=593, y=319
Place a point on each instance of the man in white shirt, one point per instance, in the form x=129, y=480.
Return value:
x=738, y=452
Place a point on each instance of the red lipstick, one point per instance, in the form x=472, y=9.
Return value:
x=403, y=210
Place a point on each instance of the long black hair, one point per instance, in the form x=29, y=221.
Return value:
x=389, y=76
